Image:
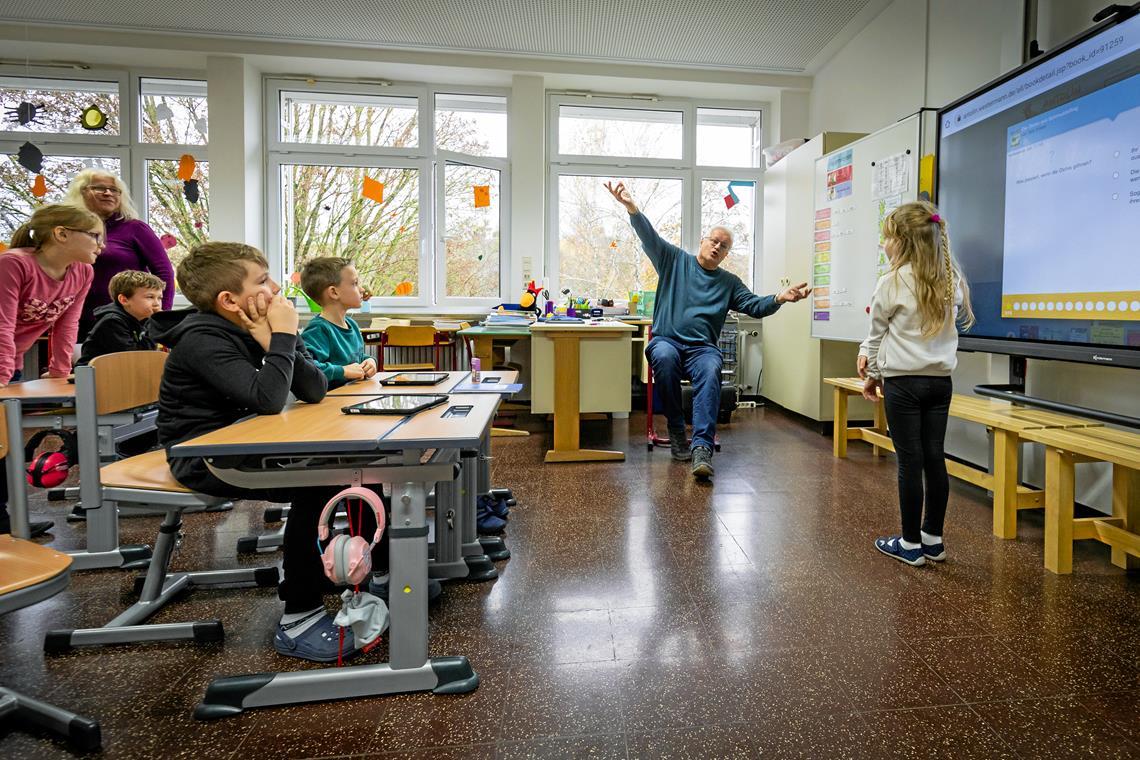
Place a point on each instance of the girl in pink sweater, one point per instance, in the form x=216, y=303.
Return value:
x=43, y=280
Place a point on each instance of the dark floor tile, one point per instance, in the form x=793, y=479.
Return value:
x=982, y=668
x=564, y=637
x=726, y=741
x=886, y=676
x=471, y=752
x=952, y=732
x=1080, y=663
x=425, y=720
x=808, y=738
x=562, y=700
x=571, y=748
x=1121, y=710
x=673, y=631
x=1055, y=728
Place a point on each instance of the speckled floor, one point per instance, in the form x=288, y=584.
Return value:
x=646, y=615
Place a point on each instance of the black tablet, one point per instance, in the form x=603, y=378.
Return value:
x=415, y=378
x=403, y=405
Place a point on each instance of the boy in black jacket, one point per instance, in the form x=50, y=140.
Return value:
x=121, y=325
x=239, y=354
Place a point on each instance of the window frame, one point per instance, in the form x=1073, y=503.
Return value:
x=686, y=169
x=425, y=157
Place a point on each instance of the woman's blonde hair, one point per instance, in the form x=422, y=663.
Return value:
x=38, y=230
x=923, y=241
x=80, y=182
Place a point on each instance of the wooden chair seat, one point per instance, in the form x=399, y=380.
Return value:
x=145, y=472
x=24, y=564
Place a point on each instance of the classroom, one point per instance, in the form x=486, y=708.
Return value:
x=655, y=380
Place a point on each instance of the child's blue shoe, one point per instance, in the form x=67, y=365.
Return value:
x=319, y=643
x=489, y=525
x=892, y=547
x=497, y=507
x=934, y=552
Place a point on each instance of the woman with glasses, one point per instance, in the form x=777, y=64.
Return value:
x=130, y=243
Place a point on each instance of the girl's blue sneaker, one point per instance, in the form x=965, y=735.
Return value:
x=319, y=643
x=892, y=547
x=934, y=552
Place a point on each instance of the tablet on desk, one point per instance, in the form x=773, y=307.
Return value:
x=403, y=405
x=415, y=378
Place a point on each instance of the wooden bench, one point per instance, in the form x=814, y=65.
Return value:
x=1063, y=450
x=1009, y=424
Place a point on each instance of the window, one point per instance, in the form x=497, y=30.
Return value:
x=639, y=133
x=343, y=119
x=326, y=214
x=419, y=203
x=173, y=111
x=169, y=211
x=728, y=137
x=679, y=159
x=471, y=124
x=16, y=200
x=600, y=253
x=54, y=106
x=719, y=208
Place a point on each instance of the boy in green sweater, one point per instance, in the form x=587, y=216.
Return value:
x=333, y=339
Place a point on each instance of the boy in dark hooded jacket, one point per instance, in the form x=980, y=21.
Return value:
x=121, y=325
x=236, y=355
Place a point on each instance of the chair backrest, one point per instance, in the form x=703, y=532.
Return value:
x=409, y=336
x=127, y=380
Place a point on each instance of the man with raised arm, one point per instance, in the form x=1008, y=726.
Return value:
x=693, y=297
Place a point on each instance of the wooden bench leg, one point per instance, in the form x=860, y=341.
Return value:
x=880, y=425
x=1059, y=475
x=1006, y=444
x=839, y=444
x=1125, y=504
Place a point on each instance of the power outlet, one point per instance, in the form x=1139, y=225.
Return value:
x=526, y=269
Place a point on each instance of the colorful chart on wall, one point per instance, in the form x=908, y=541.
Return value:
x=855, y=188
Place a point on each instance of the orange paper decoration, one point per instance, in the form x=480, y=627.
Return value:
x=3, y=246
x=405, y=288
x=372, y=190
x=482, y=196
x=186, y=166
x=39, y=187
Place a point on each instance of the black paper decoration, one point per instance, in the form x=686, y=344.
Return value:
x=25, y=113
x=31, y=158
x=190, y=190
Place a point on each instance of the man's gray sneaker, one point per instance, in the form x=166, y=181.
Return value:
x=702, y=462
x=679, y=444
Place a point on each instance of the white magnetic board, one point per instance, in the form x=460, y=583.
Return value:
x=855, y=188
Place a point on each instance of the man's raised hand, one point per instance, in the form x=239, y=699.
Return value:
x=622, y=196
x=793, y=293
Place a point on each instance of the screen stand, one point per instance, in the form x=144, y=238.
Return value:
x=1014, y=392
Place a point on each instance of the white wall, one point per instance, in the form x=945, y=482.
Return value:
x=928, y=53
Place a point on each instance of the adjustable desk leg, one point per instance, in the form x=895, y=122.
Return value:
x=14, y=467
x=408, y=668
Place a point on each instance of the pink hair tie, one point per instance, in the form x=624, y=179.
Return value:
x=936, y=218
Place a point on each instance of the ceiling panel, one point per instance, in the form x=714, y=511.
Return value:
x=758, y=35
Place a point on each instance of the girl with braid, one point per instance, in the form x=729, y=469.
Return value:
x=908, y=355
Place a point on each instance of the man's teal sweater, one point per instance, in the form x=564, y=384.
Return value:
x=692, y=302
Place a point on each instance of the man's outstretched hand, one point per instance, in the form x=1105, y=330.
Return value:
x=793, y=293
x=622, y=196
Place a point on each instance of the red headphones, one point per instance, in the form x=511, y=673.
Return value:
x=49, y=469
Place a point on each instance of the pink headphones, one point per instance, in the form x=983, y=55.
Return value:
x=348, y=559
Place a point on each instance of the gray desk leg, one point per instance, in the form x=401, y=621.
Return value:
x=479, y=565
x=493, y=546
x=14, y=467
x=447, y=561
x=408, y=669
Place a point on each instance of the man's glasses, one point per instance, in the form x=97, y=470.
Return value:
x=93, y=235
x=719, y=244
x=100, y=189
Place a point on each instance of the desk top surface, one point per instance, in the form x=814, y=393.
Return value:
x=323, y=428
x=505, y=331
x=583, y=329
x=47, y=389
x=372, y=386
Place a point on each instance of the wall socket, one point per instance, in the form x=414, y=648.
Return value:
x=526, y=269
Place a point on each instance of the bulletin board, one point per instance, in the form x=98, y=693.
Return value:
x=855, y=188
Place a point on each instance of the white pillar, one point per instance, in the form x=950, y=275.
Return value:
x=527, y=139
x=236, y=174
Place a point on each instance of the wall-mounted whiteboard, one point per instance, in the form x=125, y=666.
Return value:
x=855, y=188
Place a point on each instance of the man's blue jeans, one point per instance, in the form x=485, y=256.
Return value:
x=672, y=361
